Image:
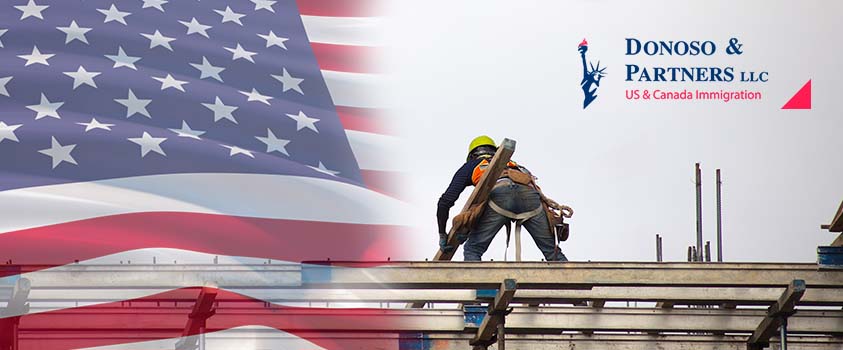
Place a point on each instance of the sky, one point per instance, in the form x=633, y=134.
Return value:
x=511, y=69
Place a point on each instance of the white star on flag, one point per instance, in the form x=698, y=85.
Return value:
x=7, y=132
x=74, y=32
x=186, y=131
x=264, y=5
x=134, y=105
x=81, y=76
x=256, y=96
x=221, y=111
x=59, y=153
x=95, y=124
x=273, y=143
x=194, y=27
x=148, y=144
x=123, y=60
x=46, y=108
x=273, y=40
x=113, y=14
x=31, y=9
x=288, y=82
x=158, y=39
x=230, y=16
x=36, y=57
x=170, y=82
x=303, y=121
x=234, y=150
x=322, y=169
x=158, y=4
x=3, y=82
x=207, y=70
x=239, y=52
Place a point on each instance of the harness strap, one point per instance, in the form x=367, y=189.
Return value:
x=519, y=221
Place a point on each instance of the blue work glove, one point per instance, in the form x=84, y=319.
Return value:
x=443, y=243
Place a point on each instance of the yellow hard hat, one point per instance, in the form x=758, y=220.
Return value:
x=481, y=140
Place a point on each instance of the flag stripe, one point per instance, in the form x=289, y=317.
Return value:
x=341, y=8
x=362, y=31
x=355, y=89
x=249, y=195
x=385, y=182
x=346, y=58
x=168, y=322
x=286, y=240
x=364, y=119
x=375, y=151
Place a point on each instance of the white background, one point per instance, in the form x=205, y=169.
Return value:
x=511, y=69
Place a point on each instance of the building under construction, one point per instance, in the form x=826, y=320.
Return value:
x=433, y=304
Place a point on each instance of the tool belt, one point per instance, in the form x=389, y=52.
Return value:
x=555, y=212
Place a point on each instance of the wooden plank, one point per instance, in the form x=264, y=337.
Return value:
x=837, y=223
x=481, y=192
x=499, y=305
x=479, y=195
x=781, y=308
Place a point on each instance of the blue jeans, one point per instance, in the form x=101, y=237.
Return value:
x=517, y=199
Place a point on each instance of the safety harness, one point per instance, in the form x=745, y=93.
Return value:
x=519, y=220
x=516, y=174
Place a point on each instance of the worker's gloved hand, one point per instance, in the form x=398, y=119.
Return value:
x=443, y=243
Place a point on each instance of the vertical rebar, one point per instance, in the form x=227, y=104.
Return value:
x=658, y=248
x=719, y=221
x=201, y=341
x=783, y=334
x=698, y=182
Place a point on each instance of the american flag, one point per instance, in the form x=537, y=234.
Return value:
x=140, y=128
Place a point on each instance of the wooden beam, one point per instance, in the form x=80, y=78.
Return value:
x=202, y=310
x=837, y=223
x=780, y=309
x=481, y=192
x=495, y=315
x=567, y=275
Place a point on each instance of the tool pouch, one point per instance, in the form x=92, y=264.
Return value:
x=557, y=224
x=517, y=176
x=463, y=222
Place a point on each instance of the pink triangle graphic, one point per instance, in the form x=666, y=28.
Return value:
x=802, y=98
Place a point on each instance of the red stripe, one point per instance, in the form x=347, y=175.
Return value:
x=287, y=240
x=385, y=182
x=147, y=319
x=364, y=119
x=346, y=58
x=341, y=8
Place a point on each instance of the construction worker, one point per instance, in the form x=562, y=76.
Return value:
x=514, y=194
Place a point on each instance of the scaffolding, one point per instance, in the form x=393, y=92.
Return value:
x=479, y=305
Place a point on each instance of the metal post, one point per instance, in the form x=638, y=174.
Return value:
x=502, y=332
x=708, y=251
x=698, y=182
x=15, y=345
x=201, y=335
x=658, y=248
x=719, y=221
x=783, y=334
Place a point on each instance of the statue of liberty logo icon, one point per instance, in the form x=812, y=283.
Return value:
x=590, y=77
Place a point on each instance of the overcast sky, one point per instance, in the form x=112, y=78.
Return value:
x=511, y=69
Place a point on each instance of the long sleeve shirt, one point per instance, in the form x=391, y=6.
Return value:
x=461, y=180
